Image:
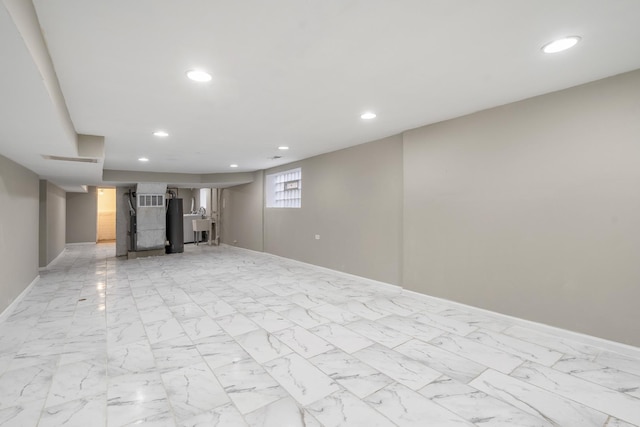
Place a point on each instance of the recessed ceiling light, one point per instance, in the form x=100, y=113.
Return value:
x=560, y=44
x=161, y=133
x=368, y=116
x=198, y=75
x=143, y=159
x=233, y=166
x=283, y=147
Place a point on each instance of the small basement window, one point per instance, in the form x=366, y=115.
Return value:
x=150, y=200
x=284, y=189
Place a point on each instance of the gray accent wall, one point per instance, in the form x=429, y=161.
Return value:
x=242, y=211
x=19, y=239
x=352, y=199
x=532, y=209
x=82, y=216
x=52, y=222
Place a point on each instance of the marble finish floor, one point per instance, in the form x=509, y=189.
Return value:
x=219, y=336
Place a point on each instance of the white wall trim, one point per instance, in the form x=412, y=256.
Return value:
x=55, y=260
x=590, y=340
x=602, y=343
x=81, y=243
x=383, y=285
x=7, y=311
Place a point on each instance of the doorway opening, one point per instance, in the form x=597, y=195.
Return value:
x=106, y=215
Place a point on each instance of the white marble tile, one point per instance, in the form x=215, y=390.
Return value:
x=200, y=327
x=173, y=296
x=343, y=338
x=221, y=350
x=125, y=333
x=405, y=407
x=248, y=385
x=301, y=379
x=619, y=405
x=478, y=407
x=134, y=394
x=336, y=314
x=443, y=361
x=217, y=308
x=155, y=313
x=342, y=409
x=447, y=324
x=222, y=416
x=277, y=303
x=25, y=384
x=591, y=371
x=399, y=367
x=262, y=345
x=193, y=390
x=236, y=324
x=304, y=317
x=476, y=319
x=411, y=327
x=614, y=422
x=559, y=344
x=127, y=323
x=537, y=401
x=517, y=347
x=175, y=353
x=187, y=311
x=390, y=305
x=379, y=333
x=419, y=302
x=26, y=414
x=351, y=373
x=482, y=354
x=76, y=413
x=269, y=320
x=284, y=412
x=247, y=305
x=147, y=413
x=303, y=342
x=365, y=309
x=130, y=359
x=77, y=380
x=306, y=300
x=620, y=362
x=163, y=330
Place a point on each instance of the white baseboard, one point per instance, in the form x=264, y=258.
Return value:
x=591, y=340
x=52, y=263
x=81, y=243
x=7, y=311
x=386, y=286
x=602, y=343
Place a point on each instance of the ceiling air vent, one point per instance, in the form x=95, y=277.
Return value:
x=71, y=159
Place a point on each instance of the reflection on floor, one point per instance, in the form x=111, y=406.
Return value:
x=225, y=337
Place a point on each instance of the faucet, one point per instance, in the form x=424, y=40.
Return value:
x=202, y=211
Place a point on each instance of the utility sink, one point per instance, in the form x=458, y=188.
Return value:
x=200, y=225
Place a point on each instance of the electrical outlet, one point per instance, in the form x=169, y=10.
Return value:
x=317, y=237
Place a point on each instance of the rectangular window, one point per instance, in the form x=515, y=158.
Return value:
x=150, y=200
x=284, y=189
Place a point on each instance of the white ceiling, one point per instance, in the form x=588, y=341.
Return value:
x=289, y=72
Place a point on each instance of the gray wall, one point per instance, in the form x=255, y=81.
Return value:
x=352, y=198
x=532, y=209
x=242, y=210
x=19, y=240
x=52, y=222
x=82, y=216
x=122, y=220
